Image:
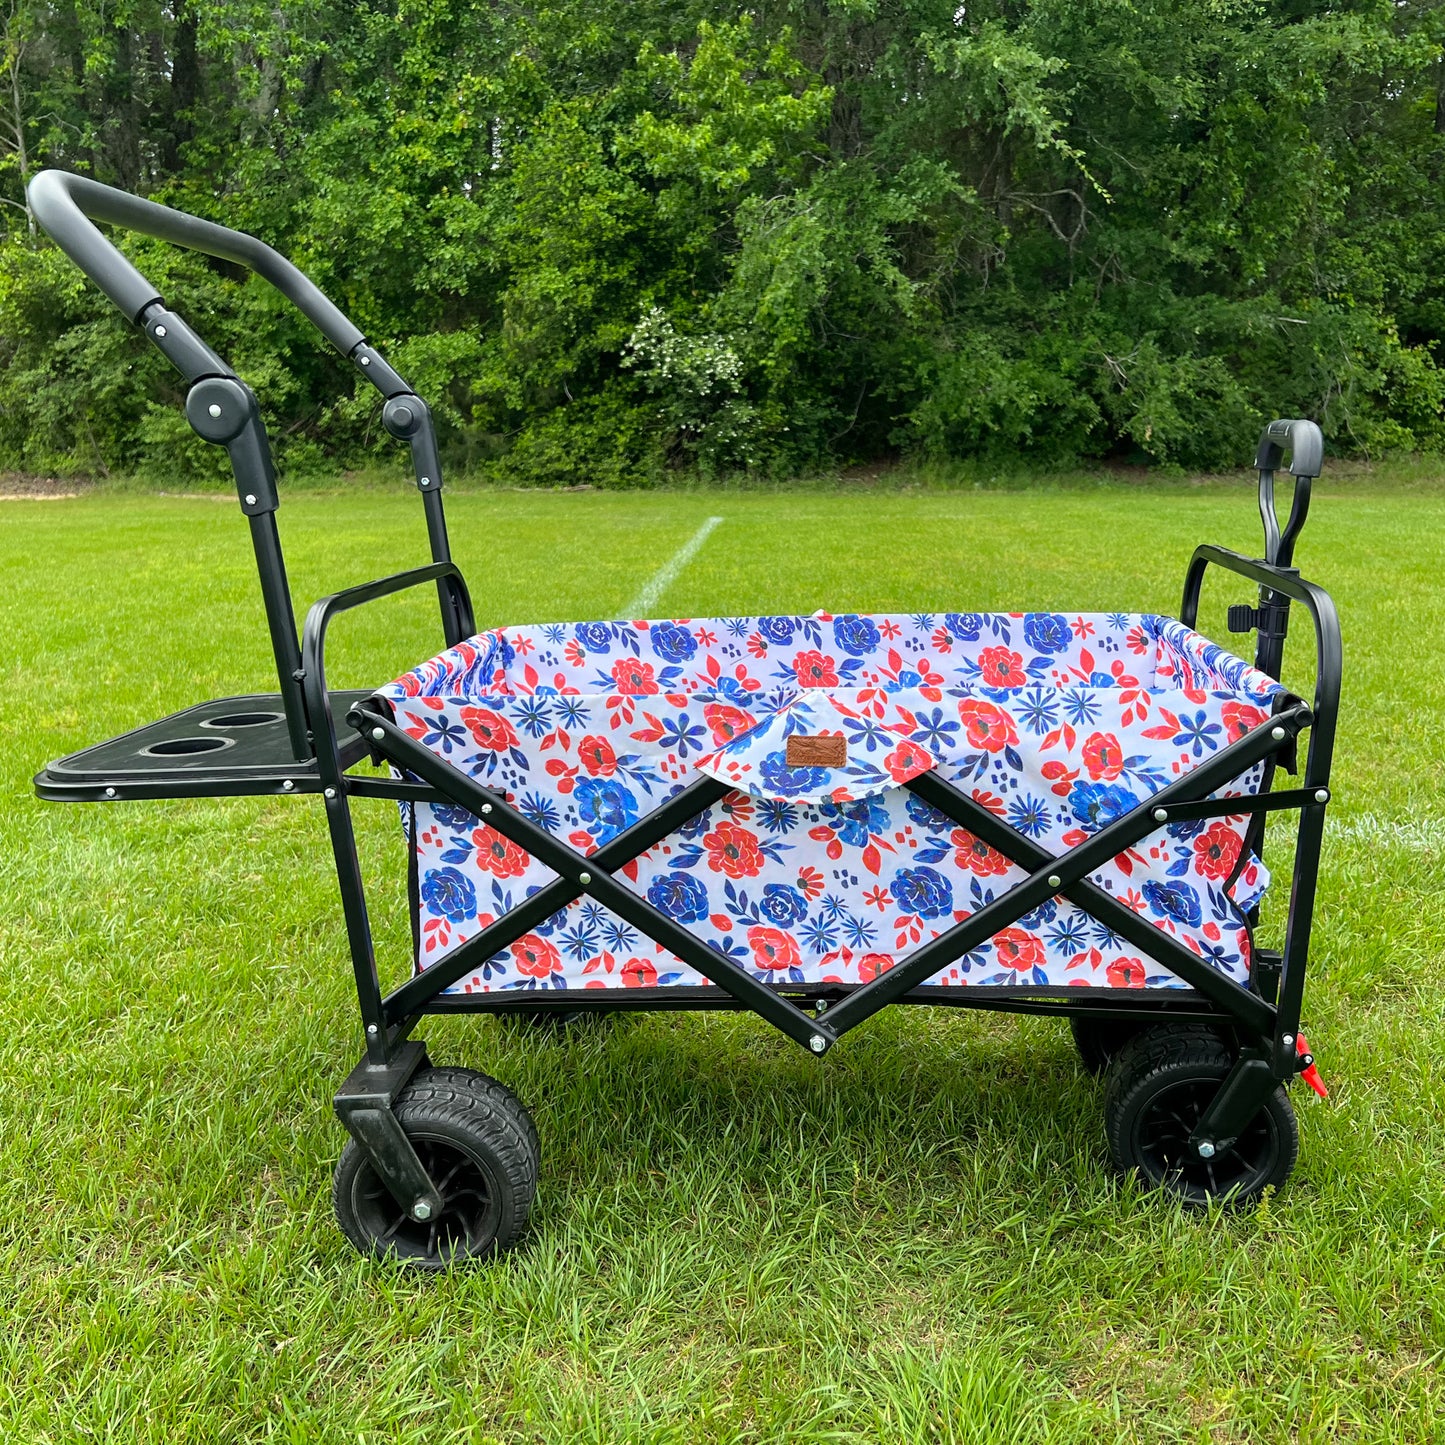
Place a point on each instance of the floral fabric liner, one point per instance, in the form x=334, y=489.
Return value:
x=1058, y=723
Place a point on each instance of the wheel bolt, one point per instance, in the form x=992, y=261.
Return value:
x=1206, y=1149
x=421, y=1210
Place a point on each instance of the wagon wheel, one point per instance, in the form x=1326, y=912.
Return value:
x=480, y=1148
x=1159, y=1085
x=1098, y=1040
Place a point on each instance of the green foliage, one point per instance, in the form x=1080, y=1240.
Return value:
x=615, y=238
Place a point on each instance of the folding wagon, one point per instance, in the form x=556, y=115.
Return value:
x=810, y=817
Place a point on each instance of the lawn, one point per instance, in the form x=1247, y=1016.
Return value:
x=917, y=1239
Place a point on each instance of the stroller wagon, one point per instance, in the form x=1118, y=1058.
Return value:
x=810, y=817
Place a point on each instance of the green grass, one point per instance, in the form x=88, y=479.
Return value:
x=918, y=1240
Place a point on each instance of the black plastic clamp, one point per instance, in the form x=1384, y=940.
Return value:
x=364, y=1104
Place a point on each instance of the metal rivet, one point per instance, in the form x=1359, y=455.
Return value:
x=584, y=879
x=366, y=361
x=287, y=786
x=1322, y=795
x=817, y=1043
x=110, y=792
x=379, y=734
x=486, y=807
x=214, y=409
x=1307, y=1059
x=1287, y=1040
x=1206, y=1149
x=1277, y=734
x=331, y=792
x=421, y=1210
x=1161, y=815
x=160, y=330
x=371, y=1031
x=250, y=499
x=822, y=1007
x=1055, y=881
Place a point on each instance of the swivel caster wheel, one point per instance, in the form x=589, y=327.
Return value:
x=1159, y=1084
x=480, y=1148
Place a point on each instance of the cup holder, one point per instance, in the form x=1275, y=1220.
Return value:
x=242, y=720
x=186, y=747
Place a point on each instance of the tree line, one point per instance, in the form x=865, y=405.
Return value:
x=612, y=239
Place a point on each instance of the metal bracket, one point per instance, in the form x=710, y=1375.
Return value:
x=1241, y=1096
x=364, y=1104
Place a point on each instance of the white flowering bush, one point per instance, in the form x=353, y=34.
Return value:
x=698, y=381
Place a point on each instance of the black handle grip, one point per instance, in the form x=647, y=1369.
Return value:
x=1306, y=446
x=66, y=206
x=1302, y=439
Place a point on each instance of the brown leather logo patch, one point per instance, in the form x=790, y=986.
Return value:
x=817, y=752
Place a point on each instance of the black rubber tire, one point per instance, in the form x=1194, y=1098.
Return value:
x=1098, y=1040
x=480, y=1147
x=1158, y=1085
x=458, y=1077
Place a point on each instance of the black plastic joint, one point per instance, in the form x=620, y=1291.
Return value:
x=220, y=408
x=223, y=410
x=408, y=418
x=180, y=345
x=374, y=367
x=1272, y=616
x=1243, y=618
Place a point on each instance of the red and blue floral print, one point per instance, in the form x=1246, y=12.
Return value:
x=812, y=872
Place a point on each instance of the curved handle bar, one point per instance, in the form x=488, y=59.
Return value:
x=319, y=618
x=1329, y=661
x=1306, y=445
x=221, y=409
x=66, y=206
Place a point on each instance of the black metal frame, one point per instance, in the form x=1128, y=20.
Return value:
x=318, y=756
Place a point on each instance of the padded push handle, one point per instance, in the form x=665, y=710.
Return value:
x=1306, y=446
x=67, y=205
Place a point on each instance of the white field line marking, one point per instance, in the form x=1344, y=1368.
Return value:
x=641, y=606
x=1424, y=834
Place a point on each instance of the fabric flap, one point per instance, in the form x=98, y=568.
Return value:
x=824, y=747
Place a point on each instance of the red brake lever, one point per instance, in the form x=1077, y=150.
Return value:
x=1311, y=1075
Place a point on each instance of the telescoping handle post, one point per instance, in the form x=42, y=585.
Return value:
x=1306, y=448
x=220, y=407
